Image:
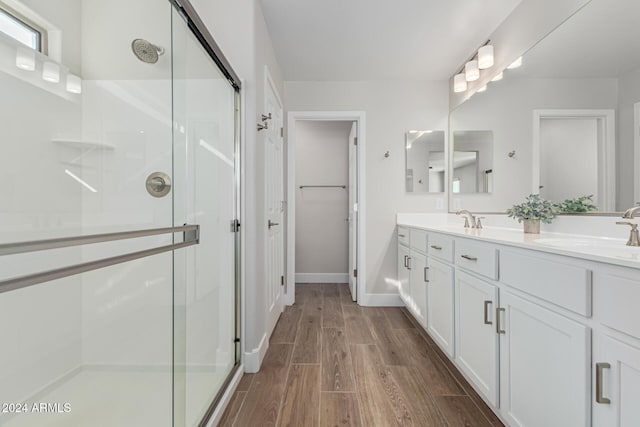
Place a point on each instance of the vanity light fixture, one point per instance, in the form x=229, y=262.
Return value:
x=485, y=57
x=515, y=64
x=498, y=77
x=74, y=84
x=50, y=72
x=471, y=70
x=482, y=89
x=26, y=59
x=459, y=83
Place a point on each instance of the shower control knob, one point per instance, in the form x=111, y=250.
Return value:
x=158, y=184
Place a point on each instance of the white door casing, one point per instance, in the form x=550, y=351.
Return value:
x=351, y=116
x=353, y=210
x=274, y=202
x=606, y=150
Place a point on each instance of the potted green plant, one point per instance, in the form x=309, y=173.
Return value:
x=532, y=211
x=577, y=205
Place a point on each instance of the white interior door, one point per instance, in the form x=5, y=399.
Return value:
x=353, y=210
x=274, y=198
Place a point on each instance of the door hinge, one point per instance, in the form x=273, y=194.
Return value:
x=281, y=280
x=355, y=272
x=355, y=140
x=236, y=340
x=235, y=225
x=281, y=132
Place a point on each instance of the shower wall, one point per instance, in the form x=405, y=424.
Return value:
x=38, y=201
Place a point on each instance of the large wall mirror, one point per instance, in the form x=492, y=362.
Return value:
x=562, y=124
x=425, y=161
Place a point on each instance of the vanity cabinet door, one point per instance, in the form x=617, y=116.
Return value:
x=477, y=342
x=419, y=282
x=404, y=256
x=440, y=305
x=544, y=366
x=616, y=383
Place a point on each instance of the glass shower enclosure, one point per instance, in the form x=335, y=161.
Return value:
x=119, y=250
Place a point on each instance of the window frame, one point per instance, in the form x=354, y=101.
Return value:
x=28, y=24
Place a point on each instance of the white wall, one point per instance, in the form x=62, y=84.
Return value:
x=391, y=110
x=507, y=109
x=322, y=234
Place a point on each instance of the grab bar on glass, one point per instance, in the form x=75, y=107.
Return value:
x=65, y=242
x=191, y=237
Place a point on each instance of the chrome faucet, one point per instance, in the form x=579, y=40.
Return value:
x=634, y=236
x=468, y=218
x=631, y=212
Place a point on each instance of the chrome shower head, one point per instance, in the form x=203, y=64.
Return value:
x=146, y=51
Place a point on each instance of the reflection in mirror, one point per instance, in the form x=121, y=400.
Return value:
x=425, y=165
x=568, y=115
x=472, y=161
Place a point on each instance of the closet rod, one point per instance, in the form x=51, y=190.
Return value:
x=322, y=186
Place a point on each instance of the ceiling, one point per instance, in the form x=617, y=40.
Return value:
x=350, y=40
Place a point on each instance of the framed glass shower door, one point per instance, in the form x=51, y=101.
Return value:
x=107, y=315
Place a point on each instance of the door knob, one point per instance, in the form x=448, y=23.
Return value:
x=272, y=224
x=158, y=184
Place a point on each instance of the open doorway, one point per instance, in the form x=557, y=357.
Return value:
x=326, y=214
x=587, y=137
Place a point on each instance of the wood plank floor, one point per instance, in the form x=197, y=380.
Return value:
x=331, y=362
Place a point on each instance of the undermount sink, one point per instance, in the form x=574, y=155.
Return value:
x=598, y=246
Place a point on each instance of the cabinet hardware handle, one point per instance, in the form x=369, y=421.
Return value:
x=437, y=248
x=499, y=329
x=486, y=313
x=425, y=275
x=409, y=263
x=405, y=261
x=469, y=257
x=599, y=368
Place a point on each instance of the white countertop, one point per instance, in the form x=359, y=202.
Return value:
x=600, y=249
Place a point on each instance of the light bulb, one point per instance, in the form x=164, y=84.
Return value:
x=51, y=72
x=26, y=59
x=459, y=83
x=74, y=84
x=515, y=64
x=485, y=57
x=471, y=71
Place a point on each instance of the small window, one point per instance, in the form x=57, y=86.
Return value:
x=456, y=185
x=18, y=30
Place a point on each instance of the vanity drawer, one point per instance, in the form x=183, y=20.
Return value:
x=565, y=285
x=615, y=300
x=481, y=258
x=440, y=246
x=418, y=240
x=403, y=236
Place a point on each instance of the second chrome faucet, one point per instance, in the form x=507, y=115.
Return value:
x=469, y=219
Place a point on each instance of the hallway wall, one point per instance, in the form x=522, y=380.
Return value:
x=322, y=239
x=391, y=110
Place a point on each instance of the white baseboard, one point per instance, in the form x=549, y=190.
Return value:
x=381, y=300
x=253, y=358
x=226, y=398
x=322, y=277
